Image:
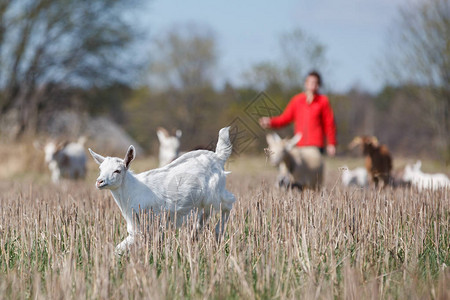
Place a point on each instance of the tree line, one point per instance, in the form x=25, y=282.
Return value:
x=66, y=54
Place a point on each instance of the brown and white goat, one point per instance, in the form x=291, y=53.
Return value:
x=65, y=159
x=378, y=160
x=298, y=166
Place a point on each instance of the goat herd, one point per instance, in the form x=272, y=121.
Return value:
x=303, y=167
x=192, y=185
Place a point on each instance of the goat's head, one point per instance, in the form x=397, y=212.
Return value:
x=408, y=173
x=346, y=176
x=112, y=169
x=52, y=149
x=411, y=171
x=367, y=143
x=278, y=147
x=169, y=145
x=49, y=150
x=417, y=166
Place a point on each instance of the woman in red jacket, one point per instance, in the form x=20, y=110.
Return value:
x=312, y=114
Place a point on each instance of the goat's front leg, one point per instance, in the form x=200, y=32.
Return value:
x=133, y=230
x=283, y=181
x=56, y=173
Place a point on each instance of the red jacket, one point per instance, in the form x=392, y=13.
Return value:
x=314, y=121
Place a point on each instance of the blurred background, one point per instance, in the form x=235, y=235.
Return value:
x=115, y=70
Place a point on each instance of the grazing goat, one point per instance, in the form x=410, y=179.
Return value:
x=397, y=180
x=422, y=180
x=194, y=182
x=168, y=146
x=298, y=166
x=378, y=160
x=357, y=177
x=65, y=160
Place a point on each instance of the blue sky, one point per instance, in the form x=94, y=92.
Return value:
x=247, y=31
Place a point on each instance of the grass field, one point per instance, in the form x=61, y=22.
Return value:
x=57, y=242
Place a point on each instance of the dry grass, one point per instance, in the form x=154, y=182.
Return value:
x=58, y=242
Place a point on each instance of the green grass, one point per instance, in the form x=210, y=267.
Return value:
x=57, y=241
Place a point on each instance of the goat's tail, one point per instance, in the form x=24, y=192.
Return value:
x=224, y=147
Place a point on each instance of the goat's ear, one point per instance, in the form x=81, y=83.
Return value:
x=162, y=133
x=97, y=157
x=61, y=145
x=272, y=138
x=374, y=141
x=355, y=142
x=178, y=133
x=131, y=154
x=418, y=165
x=293, y=141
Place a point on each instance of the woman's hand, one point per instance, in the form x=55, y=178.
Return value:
x=331, y=150
x=264, y=122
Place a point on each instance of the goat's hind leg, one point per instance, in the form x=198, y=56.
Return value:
x=125, y=244
x=227, y=202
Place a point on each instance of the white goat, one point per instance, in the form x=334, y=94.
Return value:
x=357, y=177
x=298, y=166
x=66, y=160
x=422, y=180
x=168, y=146
x=195, y=182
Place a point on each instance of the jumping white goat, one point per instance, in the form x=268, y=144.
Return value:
x=168, y=146
x=66, y=160
x=422, y=180
x=298, y=166
x=357, y=177
x=195, y=182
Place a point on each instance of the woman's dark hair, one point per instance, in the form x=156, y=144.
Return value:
x=317, y=75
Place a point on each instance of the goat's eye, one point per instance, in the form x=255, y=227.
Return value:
x=117, y=171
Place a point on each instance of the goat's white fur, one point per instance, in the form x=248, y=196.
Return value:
x=168, y=146
x=195, y=182
x=422, y=180
x=302, y=165
x=66, y=161
x=358, y=177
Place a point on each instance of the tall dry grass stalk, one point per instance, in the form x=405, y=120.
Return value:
x=58, y=242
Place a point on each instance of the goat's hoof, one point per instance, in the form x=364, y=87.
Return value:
x=120, y=251
x=297, y=186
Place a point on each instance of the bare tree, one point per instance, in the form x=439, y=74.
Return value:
x=418, y=56
x=183, y=63
x=58, y=43
x=184, y=58
x=300, y=52
x=264, y=75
